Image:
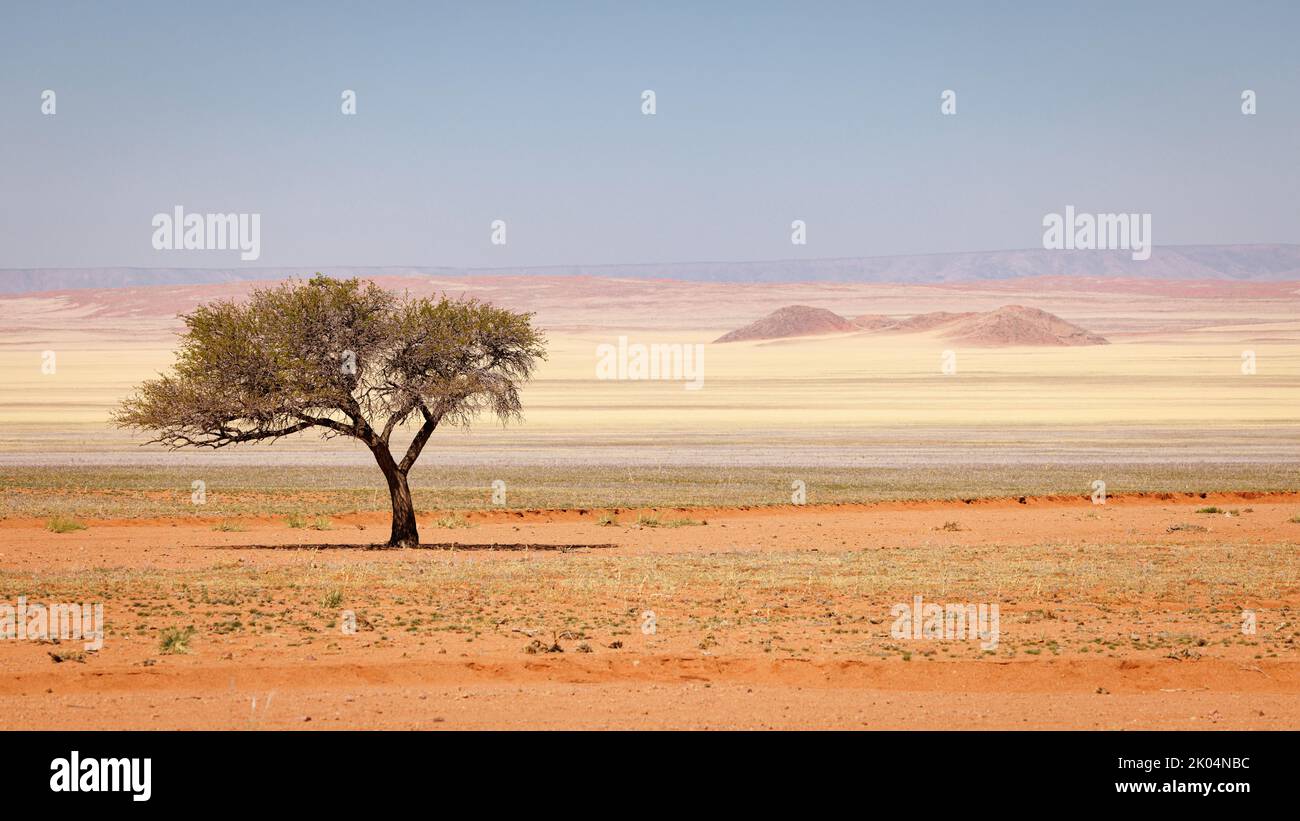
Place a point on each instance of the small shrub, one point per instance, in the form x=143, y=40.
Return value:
x=175, y=640
x=62, y=524
x=539, y=646
x=685, y=523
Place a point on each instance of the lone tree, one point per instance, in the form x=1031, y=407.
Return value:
x=344, y=356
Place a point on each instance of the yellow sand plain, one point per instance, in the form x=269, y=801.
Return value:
x=812, y=383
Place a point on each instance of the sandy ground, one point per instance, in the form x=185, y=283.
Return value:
x=1175, y=359
x=765, y=617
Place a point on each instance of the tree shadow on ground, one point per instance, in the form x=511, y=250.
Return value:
x=448, y=546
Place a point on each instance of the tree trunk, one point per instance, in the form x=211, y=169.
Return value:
x=404, y=533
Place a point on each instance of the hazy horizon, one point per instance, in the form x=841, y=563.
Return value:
x=1256, y=263
x=602, y=263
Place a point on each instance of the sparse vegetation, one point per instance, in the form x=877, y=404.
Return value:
x=538, y=646
x=124, y=492
x=452, y=522
x=685, y=523
x=841, y=597
x=655, y=521
x=62, y=524
x=175, y=640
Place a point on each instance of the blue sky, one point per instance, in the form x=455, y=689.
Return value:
x=530, y=113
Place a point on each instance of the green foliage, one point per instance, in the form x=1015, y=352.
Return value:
x=345, y=356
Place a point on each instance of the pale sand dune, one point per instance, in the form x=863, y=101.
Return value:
x=824, y=383
x=1175, y=362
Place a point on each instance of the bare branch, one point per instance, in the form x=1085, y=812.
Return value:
x=421, y=437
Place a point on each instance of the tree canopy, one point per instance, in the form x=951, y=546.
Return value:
x=347, y=357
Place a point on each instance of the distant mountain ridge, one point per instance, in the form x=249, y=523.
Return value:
x=1274, y=262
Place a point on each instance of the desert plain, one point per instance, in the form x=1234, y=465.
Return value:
x=657, y=557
